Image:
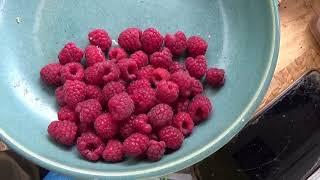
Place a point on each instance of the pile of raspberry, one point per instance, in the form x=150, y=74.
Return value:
x=135, y=100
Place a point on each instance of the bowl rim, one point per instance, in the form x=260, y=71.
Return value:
x=187, y=160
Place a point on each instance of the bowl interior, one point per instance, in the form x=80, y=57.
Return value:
x=242, y=40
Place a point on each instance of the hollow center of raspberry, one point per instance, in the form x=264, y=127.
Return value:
x=132, y=70
x=91, y=146
x=184, y=125
x=73, y=71
x=107, y=71
x=199, y=112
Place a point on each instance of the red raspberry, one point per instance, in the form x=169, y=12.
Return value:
x=74, y=92
x=129, y=39
x=144, y=99
x=151, y=40
x=161, y=59
x=196, y=46
x=90, y=146
x=160, y=115
x=128, y=69
x=50, y=74
x=177, y=43
x=59, y=93
x=100, y=38
x=113, y=151
x=199, y=108
x=72, y=71
x=138, y=84
x=70, y=53
x=183, y=80
x=135, y=145
x=196, y=87
x=177, y=66
x=67, y=114
x=159, y=74
x=183, y=122
x=112, y=88
x=196, y=66
x=105, y=127
x=126, y=128
x=63, y=132
x=145, y=72
x=94, y=92
x=215, y=77
x=156, y=150
x=93, y=54
x=88, y=110
x=85, y=128
x=172, y=137
x=167, y=91
x=121, y=106
x=102, y=72
x=182, y=105
x=140, y=124
x=140, y=58
x=117, y=53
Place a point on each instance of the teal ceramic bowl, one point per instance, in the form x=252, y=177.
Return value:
x=243, y=39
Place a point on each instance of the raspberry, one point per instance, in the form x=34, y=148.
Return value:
x=160, y=115
x=144, y=99
x=74, y=92
x=88, y=110
x=121, y=106
x=167, y=91
x=183, y=122
x=59, y=93
x=196, y=46
x=177, y=66
x=102, y=72
x=182, y=105
x=161, y=59
x=117, y=53
x=140, y=123
x=70, y=53
x=93, y=54
x=50, y=74
x=63, y=132
x=156, y=150
x=199, y=108
x=183, y=80
x=135, y=145
x=126, y=128
x=159, y=74
x=113, y=151
x=94, y=92
x=72, y=71
x=100, y=38
x=215, y=77
x=145, y=72
x=140, y=58
x=128, y=69
x=172, y=137
x=196, y=87
x=177, y=43
x=196, y=66
x=138, y=84
x=112, y=88
x=85, y=128
x=90, y=146
x=151, y=40
x=105, y=127
x=111, y=72
x=67, y=114
x=129, y=39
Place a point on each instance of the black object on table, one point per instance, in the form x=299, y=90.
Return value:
x=282, y=142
